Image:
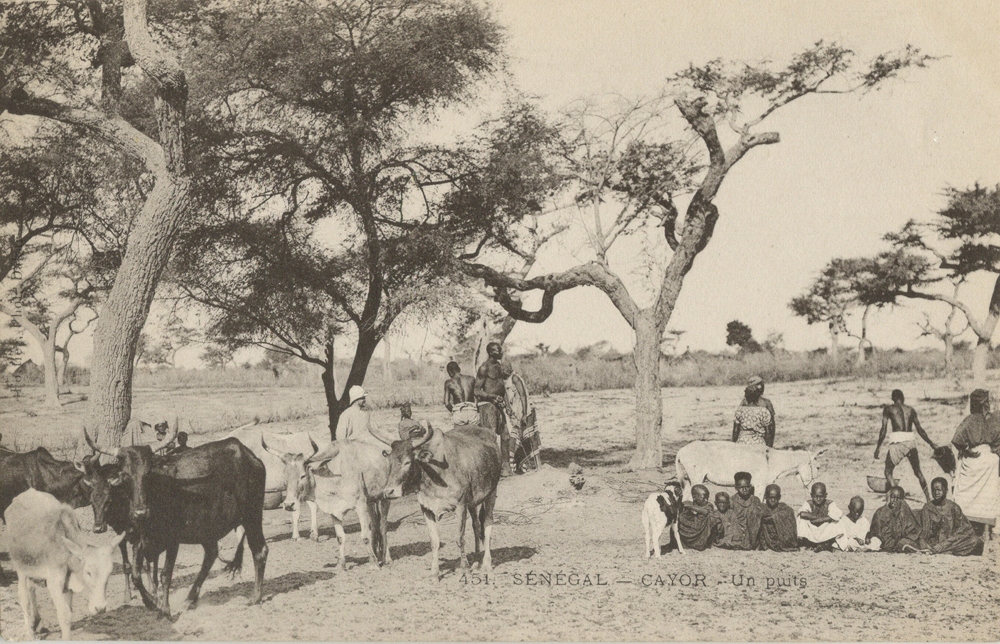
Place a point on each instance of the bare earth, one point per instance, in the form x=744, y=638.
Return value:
x=568, y=565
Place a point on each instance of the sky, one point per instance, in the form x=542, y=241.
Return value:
x=848, y=169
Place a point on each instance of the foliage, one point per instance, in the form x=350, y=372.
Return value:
x=740, y=335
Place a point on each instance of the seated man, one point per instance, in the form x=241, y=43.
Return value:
x=743, y=526
x=777, y=523
x=946, y=530
x=459, y=397
x=895, y=525
x=727, y=528
x=699, y=524
x=818, y=519
x=856, y=528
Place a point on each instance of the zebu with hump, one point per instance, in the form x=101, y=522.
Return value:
x=718, y=462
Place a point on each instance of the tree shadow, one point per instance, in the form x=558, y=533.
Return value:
x=499, y=556
x=274, y=586
x=418, y=549
x=585, y=457
x=130, y=623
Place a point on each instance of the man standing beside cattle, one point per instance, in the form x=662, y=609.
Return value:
x=491, y=392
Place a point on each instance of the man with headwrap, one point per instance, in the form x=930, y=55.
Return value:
x=945, y=528
x=754, y=419
x=699, y=524
x=895, y=525
x=777, y=523
x=977, y=480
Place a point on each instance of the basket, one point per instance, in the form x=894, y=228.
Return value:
x=878, y=484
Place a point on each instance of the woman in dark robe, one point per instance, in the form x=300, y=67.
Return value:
x=945, y=528
x=895, y=524
x=699, y=524
x=777, y=523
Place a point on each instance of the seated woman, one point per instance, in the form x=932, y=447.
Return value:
x=895, y=525
x=754, y=422
x=945, y=528
x=777, y=523
x=699, y=524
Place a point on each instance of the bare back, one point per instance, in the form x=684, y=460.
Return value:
x=901, y=416
x=459, y=390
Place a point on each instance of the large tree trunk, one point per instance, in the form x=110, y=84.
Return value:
x=980, y=358
x=834, y=342
x=63, y=368
x=123, y=316
x=367, y=342
x=51, y=377
x=648, y=396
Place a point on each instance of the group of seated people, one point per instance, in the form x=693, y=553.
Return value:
x=743, y=522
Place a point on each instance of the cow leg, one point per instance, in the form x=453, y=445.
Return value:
x=56, y=581
x=487, y=518
x=126, y=569
x=211, y=553
x=295, y=521
x=477, y=529
x=166, y=575
x=137, y=566
x=259, y=550
x=26, y=595
x=384, y=530
x=314, y=527
x=432, y=529
x=464, y=512
x=364, y=511
x=338, y=527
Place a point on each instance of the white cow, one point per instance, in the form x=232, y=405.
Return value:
x=718, y=462
x=46, y=542
x=352, y=479
x=301, y=443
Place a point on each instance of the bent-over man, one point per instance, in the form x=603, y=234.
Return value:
x=699, y=524
x=459, y=396
x=902, y=443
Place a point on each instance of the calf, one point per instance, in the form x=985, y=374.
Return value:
x=455, y=470
x=46, y=543
x=353, y=480
x=662, y=510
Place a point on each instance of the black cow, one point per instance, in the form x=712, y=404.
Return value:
x=194, y=497
x=76, y=483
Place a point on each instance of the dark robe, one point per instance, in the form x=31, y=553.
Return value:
x=777, y=529
x=743, y=526
x=979, y=429
x=947, y=531
x=896, y=528
x=699, y=526
x=729, y=531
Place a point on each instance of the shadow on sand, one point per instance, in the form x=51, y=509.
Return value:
x=586, y=457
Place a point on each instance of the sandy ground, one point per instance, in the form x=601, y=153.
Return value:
x=569, y=565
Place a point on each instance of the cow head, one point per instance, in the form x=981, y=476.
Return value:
x=134, y=462
x=807, y=469
x=90, y=568
x=405, y=454
x=299, y=483
x=96, y=488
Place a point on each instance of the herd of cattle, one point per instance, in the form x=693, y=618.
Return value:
x=157, y=499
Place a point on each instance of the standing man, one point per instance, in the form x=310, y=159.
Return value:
x=901, y=440
x=356, y=421
x=459, y=397
x=491, y=393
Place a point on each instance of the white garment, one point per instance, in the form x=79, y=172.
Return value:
x=819, y=533
x=356, y=424
x=856, y=530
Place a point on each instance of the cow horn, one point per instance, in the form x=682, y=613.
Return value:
x=428, y=432
x=171, y=434
x=314, y=446
x=270, y=451
x=97, y=448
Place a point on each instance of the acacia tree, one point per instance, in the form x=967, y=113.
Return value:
x=628, y=160
x=832, y=296
x=963, y=240
x=320, y=205
x=44, y=51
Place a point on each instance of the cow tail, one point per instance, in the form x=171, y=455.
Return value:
x=236, y=565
